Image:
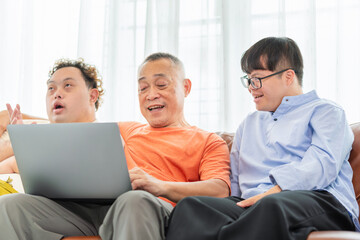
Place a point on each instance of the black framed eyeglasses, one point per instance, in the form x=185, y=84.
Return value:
x=256, y=82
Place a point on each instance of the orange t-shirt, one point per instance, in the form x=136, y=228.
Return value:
x=185, y=154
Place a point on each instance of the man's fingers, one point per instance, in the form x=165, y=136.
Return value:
x=138, y=171
x=137, y=184
x=134, y=170
x=242, y=204
x=13, y=121
x=134, y=176
x=9, y=108
x=246, y=203
x=18, y=112
x=14, y=116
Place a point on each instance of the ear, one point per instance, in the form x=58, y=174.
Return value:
x=289, y=77
x=94, y=95
x=187, y=86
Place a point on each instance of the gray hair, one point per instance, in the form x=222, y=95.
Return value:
x=174, y=60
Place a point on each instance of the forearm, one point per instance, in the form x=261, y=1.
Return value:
x=175, y=191
x=4, y=121
x=26, y=116
x=6, y=150
x=9, y=166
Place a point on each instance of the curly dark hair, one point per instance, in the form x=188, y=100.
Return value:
x=89, y=72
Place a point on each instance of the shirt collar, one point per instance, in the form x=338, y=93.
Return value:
x=290, y=102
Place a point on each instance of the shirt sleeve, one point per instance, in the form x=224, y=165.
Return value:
x=234, y=164
x=126, y=129
x=215, y=163
x=330, y=148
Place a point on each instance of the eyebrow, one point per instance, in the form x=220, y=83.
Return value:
x=66, y=79
x=155, y=75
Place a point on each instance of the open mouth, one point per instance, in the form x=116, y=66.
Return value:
x=155, y=107
x=58, y=106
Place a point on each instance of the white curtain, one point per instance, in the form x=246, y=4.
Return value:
x=209, y=36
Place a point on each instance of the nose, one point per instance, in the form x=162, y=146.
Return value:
x=58, y=94
x=152, y=94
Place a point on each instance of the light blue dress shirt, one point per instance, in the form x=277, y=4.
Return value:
x=304, y=145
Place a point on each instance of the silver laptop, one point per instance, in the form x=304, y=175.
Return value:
x=71, y=161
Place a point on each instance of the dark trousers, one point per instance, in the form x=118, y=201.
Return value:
x=286, y=215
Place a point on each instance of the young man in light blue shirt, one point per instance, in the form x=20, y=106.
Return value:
x=290, y=173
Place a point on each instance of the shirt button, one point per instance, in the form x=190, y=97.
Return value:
x=275, y=119
x=286, y=99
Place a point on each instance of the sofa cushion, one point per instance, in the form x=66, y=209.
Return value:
x=227, y=137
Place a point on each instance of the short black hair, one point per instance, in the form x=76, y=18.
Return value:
x=276, y=52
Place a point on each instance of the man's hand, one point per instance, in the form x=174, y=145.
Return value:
x=4, y=121
x=175, y=191
x=250, y=201
x=141, y=180
x=14, y=115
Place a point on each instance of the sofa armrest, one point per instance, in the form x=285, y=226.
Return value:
x=334, y=235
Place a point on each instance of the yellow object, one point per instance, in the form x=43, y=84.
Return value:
x=6, y=187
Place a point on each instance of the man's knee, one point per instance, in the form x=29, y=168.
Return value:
x=273, y=202
x=280, y=205
x=188, y=202
x=13, y=205
x=13, y=201
x=136, y=200
x=196, y=203
x=188, y=207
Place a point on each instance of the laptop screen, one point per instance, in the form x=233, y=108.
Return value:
x=75, y=161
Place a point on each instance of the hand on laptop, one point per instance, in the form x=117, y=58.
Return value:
x=141, y=180
x=14, y=115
